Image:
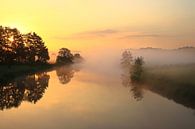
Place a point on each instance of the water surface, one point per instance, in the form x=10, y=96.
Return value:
x=93, y=95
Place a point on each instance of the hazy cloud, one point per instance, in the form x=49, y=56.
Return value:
x=142, y=36
x=114, y=33
x=89, y=34
x=101, y=32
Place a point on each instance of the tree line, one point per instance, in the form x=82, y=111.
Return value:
x=65, y=56
x=134, y=66
x=16, y=47
x=132, y=73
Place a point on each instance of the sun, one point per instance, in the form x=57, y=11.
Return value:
x=20, y=27
x=11, y=39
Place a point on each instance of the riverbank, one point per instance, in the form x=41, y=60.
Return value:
x=10, y=72
x=175, y=82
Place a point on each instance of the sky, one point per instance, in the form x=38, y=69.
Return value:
x=86, y=24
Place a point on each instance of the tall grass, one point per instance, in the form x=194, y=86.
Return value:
x=173, y=82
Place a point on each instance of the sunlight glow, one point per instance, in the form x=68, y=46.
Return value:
x=11, y=39
x=20, y=27
x=79, y=25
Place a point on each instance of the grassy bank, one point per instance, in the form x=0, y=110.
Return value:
x=170, y=75
x=173, y=82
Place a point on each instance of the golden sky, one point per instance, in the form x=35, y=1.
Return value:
x=79, y=24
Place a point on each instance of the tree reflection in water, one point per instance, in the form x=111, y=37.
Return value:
x=174, y=82
x=66, y=73
x=29, y=88
x=128, y=70
x=135, y=88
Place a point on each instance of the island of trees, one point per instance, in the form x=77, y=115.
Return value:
x=134, y=66
x=66, y=57
x=175, y=82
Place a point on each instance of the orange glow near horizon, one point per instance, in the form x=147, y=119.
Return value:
x=82, y=25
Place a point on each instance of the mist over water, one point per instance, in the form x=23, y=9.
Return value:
x=167, y=56
x=97, y=64
x=104, y=63
x=107, y=60
x=98, y=94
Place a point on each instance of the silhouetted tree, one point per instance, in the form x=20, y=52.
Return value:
x=132, y=70
x=11, y=45
x=77, y=55
x=137, y=69
x=18, y=48
x=64, y=56
x=35, y=48
x=78, y=58
x=127, y=59
x=126, y=63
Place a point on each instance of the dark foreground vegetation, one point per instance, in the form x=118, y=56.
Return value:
x=175, y=82
x=22, y=54
x=8, y=73
x=31, y=88
x=24, y=65
x=17, y=48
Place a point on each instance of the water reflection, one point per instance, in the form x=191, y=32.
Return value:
x=29, y=88
x=136, y=89
x=180, y=87
x=173, y=82
x=66, y=73
x=128, y=70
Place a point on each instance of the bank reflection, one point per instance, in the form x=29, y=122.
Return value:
x=30, y=88
x=174, y=82
x=136, y=90
x=66, y=73
x=130, y=71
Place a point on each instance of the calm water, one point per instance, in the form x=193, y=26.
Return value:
x=89, y=97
